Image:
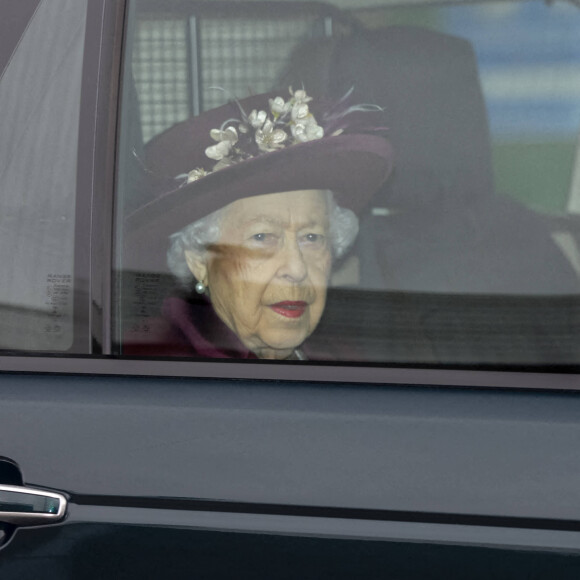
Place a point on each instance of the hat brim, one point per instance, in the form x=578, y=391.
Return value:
x=353, y=166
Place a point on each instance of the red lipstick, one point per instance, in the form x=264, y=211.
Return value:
x=290, y=308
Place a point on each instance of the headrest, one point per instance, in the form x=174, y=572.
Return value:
x=428, y=84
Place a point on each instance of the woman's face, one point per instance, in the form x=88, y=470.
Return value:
x=268, y=273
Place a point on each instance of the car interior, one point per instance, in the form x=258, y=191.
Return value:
x=450, y=266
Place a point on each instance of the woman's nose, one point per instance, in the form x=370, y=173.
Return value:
x=293, y=266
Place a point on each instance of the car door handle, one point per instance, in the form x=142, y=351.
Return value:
x=24, y=506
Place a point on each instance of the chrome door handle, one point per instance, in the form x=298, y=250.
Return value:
x=24, y=506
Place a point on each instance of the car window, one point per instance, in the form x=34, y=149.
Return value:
x=40, y=96
x=385, y=184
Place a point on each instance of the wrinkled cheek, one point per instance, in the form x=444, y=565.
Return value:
x=235, y=297
x=234, y=263
x=224, y=269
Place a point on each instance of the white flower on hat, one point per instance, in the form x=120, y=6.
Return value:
x=300, y=112
x=226, y=139
x=219, y=151
x=287, y=123
x=196, y=174
x=279, y=107
x=303, y=125
x=229, y=134
x=300, y=96
x=268, y=138
x=307, y=129
x=257, y=118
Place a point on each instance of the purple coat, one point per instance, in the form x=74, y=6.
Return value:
x=191, y=328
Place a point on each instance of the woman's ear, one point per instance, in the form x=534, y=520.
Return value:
x=197, y=265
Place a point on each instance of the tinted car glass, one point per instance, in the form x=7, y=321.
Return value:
x=466, y=255
x=40, y=91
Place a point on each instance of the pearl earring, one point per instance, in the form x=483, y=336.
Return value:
x=200, y=287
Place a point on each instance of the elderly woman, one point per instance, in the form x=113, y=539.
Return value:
x=263, y=225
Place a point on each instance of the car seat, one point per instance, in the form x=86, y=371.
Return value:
x=437, y=225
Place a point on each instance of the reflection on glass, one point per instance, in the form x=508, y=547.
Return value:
x=39, y=125
x=465, y=252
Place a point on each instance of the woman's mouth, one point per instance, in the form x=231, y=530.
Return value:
x=290, y=308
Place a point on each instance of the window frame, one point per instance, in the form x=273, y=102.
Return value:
x=343, y=374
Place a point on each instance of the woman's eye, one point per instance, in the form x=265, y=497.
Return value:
x=264, y=239
x=313, y=238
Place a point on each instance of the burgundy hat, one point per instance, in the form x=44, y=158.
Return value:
x=259, y=145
